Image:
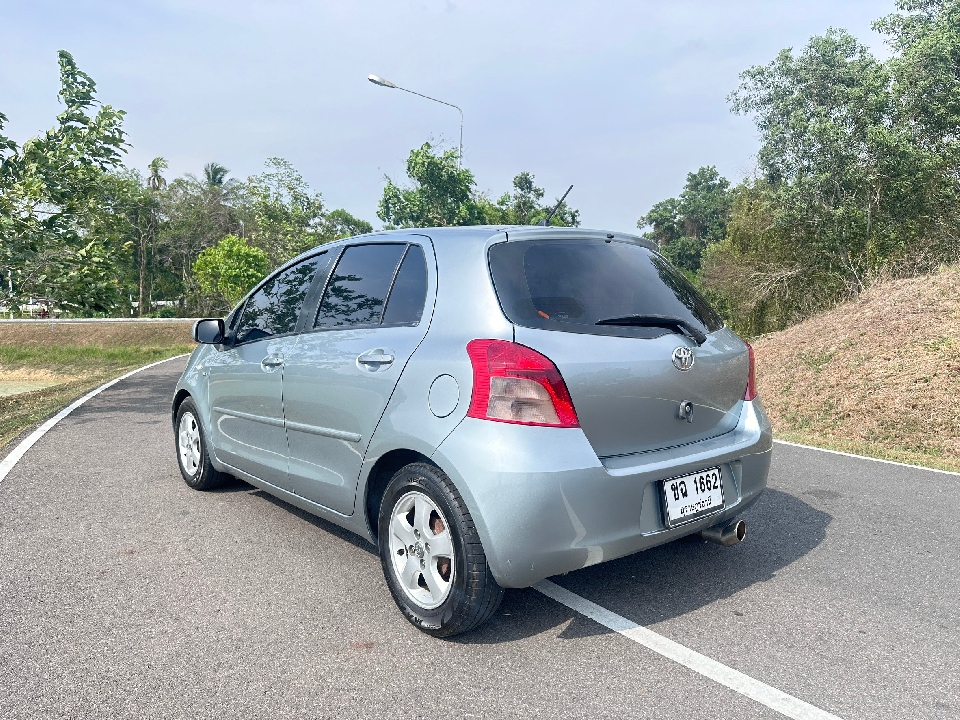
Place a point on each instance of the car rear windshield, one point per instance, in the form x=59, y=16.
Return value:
x=571, y=285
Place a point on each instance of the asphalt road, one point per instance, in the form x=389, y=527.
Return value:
x=125, y=594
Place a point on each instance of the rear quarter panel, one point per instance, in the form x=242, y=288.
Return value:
x=466, y=308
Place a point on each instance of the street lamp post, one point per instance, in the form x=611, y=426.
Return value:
x=377, y=80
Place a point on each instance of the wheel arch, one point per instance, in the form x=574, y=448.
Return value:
x=378, y=479
x=178, y=399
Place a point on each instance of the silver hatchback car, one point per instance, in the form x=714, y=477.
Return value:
x=489, y=406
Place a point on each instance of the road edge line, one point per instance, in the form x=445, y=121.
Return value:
x=743, y=684
x=10, y=461
x=867, y=457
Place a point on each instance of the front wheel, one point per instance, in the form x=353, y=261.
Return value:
x=193, y=457
x=431, y=554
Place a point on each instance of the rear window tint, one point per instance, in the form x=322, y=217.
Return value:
x=570, y=285
x=409, y=291
x=358, y=287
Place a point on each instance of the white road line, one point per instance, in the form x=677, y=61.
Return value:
x=718, y=672
x=7, y=464
x=864, y=457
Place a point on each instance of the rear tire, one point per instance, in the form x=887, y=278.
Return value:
x=446, y=588
x=192, y=454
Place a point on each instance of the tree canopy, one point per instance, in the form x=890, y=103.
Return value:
x=684, y=226
x=58, y=231
x=441, y=194
x=857, y=175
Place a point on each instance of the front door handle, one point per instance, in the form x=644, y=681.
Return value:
x=271, y=361
x=378, y=358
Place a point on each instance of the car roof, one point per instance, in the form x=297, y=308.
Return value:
x=477, y=234
x=482, y=233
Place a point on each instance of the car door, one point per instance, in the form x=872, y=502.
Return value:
x=341, y=373
x=245, y=379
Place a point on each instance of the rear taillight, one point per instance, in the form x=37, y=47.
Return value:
x=751, y=392
x=514, y=384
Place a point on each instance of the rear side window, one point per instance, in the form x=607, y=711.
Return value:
x=275, y=307
x=357, y=290
x=409, y=291
x=571, y=285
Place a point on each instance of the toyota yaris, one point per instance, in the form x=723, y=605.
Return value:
x=489, y=406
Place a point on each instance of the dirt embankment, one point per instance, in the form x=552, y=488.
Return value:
x=878, y=376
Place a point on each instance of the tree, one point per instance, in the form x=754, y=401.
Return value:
x=338, y=224
x=155, y=180
x=683, y=227
x=58, y=231
x=843, y=192
x=524, y=207
x=215, y=175
x=286, y=215
x=143, y=214
x=195, y=214
x=439, y=195
x=925, y=71
x=227, y=271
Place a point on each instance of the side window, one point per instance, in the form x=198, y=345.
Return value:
x=275, y=308
x=409, y=291
x=358, y=286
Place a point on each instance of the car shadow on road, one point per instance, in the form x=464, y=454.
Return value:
x=317, y=522
x=669, y=581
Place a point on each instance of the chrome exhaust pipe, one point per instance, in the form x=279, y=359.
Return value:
x=726, y=535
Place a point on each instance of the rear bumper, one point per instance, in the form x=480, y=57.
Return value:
x=544, y=503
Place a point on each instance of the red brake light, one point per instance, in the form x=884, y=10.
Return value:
x=751, y=392
x=515, y=384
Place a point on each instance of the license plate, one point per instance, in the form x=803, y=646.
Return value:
x=689, y=497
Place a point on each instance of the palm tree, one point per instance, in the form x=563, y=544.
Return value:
x=148, y=230
x=155, y=181
x=215, y=174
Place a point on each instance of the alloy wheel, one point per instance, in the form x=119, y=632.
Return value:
x=188, y=442
x=421, y=549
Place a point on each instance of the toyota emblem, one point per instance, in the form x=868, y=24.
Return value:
x=683, y=358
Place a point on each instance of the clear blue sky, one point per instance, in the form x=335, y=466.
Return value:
x=621, y=99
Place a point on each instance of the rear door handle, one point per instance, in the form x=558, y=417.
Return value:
x=271, y=361
x=376, y=357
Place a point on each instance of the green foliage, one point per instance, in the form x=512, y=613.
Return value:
x=845, y=190
x=227, y=271
x=58, y=236
x=857, y=174
x=524, y=207
x=339, y=224
x=440, y=195
x=286, y=216
x=215, y=174
x=683, y=227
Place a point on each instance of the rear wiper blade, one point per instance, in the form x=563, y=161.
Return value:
x=682, y=327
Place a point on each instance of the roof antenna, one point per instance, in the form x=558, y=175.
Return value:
x=546, y=220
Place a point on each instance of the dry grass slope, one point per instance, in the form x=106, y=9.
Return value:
x=878, y=376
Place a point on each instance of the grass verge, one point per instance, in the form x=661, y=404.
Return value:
x=76, y=358
x=872, y=450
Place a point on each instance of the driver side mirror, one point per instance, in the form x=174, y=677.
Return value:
x=209, y=331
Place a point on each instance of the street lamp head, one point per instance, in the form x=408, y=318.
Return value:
x=377, y=80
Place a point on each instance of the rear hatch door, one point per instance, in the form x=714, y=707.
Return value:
x=632, y=390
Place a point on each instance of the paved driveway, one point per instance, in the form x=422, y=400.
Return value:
x=125, y=594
